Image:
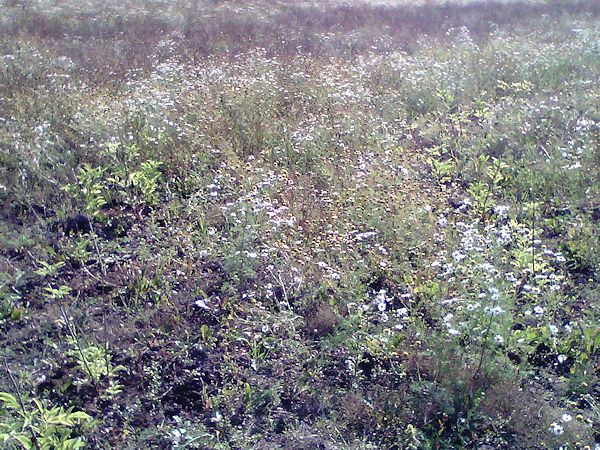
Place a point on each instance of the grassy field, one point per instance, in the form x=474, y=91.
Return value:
x=299, y=225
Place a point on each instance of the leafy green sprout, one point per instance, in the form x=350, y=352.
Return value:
x=33, y=424
x=90, y=188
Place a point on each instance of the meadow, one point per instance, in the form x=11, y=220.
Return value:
x=299, y=225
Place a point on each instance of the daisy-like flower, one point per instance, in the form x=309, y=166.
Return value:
x=501, y=210
x=510, y=277
x=494, y=293
x=566, y=417
x=495, y=311
x=556, y=429
x=458, y=256
x=561, y=358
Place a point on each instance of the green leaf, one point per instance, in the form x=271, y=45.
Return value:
x=9, y=400
x=24, y=441
x=80, y=415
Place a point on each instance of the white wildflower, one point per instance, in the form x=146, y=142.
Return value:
x=495, y=311
x=201, y=303
x=556, y=429
x=458, y=256
x=501, y=210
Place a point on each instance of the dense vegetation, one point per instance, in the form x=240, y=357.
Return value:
x=269, y=224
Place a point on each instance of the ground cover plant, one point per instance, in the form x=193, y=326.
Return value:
x=299, y=225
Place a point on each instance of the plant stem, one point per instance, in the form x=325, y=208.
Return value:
x=21, y=404
x=71, y=330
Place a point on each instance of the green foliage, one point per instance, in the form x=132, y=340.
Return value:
x=78, y=251
x=494, y=175
x=581, y=245
x=57, y=293
x=48, y=269
x=90, y=188
x=442, y=170
x=581, y=345
x=10, y=297
x=33, y=424
x=146, y=181
x=137, y=187
x=95, y=363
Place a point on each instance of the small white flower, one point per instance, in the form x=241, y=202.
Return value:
x=366, y=235
x=265, y=328
x=538, y=310
x=556, y=429
x=501, y=210
x=350, y=364
x=201, y=303
x=566, y=417
x=498, y=339
x=510, y=277
x=495, y=294
x=561, y=358
x=458, y=256
x=553, y=329
x=488, y=267
x=453, y=331
x=495, y=311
